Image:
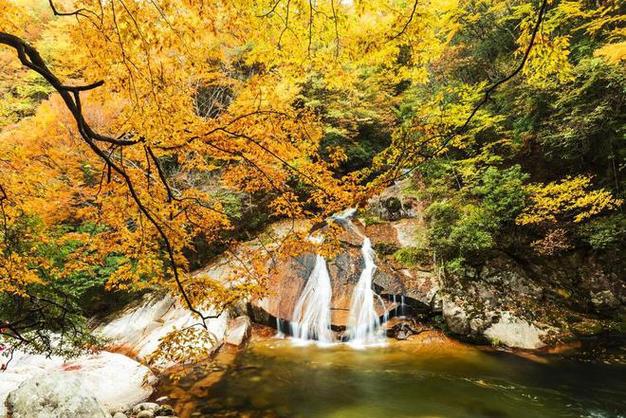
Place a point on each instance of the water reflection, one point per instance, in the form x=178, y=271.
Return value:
x=430, y=378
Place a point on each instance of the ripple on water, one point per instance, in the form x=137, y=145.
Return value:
x=428, y=377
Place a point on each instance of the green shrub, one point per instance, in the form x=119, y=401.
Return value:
x=605, y=233
x=412, y=256
x=385, y=248
x=502, y=192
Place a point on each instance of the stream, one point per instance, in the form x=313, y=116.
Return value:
x=433, y=377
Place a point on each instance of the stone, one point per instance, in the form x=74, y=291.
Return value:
x=604, y=301
x=56, y=395
x=239, y=331
x=515, y=332
x=145, y=406
x=117, y=381
x=455, y=316
x=140, y=328
x=164, y=411
x=145, y=414
x=120, y=415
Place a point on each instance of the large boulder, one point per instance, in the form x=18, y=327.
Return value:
x=58, y=395
x=456, y=317
x=239, y=331
x=515, y=332
x=116, y=381
x=139, y=329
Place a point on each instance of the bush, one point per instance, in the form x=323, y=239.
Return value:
x=474, y=231
x=605, y=233
x=502, y=192
x=412, y=256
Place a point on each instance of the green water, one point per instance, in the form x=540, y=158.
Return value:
x=275, y=379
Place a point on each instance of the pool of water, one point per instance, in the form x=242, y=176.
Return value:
x=431, y=378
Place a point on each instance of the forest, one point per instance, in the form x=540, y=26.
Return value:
x=418, y=176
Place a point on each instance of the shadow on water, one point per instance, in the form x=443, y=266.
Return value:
x=441, y=379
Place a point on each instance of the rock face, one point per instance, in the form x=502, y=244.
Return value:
x=290, y=277
x=116, y=381
x=58, y=395
x=239, y=331
x=481, y=305
x=140, y=328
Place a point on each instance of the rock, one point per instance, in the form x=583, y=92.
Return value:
x=164, y=411
x=604, y=301
x=515, y=332
x=291, y=274
x=120, y=415
x=588, y=328
x=145, y=414
x=117, y=381
x=455, y=316
x=56, y=395
x=402, y=329
x=394, y=202
x=145, y=406
x=141, y=328
x=239, y=330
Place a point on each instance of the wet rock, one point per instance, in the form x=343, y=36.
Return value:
x=290, y=277
x=403, y=328
x=604, y=301
x=164, y=411
x=515, y=332
x=145, y=406
x=54, y=395
x=239, y=331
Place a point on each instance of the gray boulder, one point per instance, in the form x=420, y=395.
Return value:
x=57, y=395
x=604, y=301
x=456, y=318
x=515, y=332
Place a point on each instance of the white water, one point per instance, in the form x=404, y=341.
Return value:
x=311, y=316
x=364, y=327
x=279, y=331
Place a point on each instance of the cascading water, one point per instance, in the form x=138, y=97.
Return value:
x=311, y=316
x=279, y=331
x=364, y=327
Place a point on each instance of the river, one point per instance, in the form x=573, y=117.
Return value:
x=431, y=377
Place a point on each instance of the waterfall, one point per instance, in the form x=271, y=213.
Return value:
x=279, y=331
x=311, y=316
x=364, y=327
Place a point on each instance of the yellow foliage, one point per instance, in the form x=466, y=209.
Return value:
x=570, y=199
x=613, y=53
